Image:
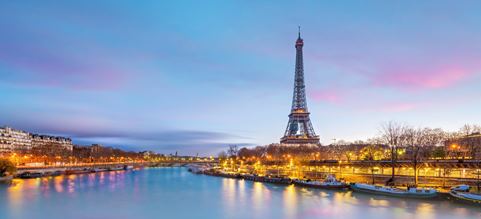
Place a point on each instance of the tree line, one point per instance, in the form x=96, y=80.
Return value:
x=52, y=153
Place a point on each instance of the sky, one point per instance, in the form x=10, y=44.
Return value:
x=182, y=76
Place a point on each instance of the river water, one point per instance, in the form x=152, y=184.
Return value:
x=176, y=193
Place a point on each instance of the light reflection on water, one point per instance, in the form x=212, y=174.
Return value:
x=175, y=193
x=290, y=201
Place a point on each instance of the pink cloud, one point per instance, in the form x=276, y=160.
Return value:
x=422, y=77
x=326, y=95
x=399, y=107
x=389, y=107
x=404, y=64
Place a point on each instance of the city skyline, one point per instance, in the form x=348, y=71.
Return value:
x=153, y=78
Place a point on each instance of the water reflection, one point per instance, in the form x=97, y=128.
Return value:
x=260, y=197
x=174, y=193
x=378, y=203
x=425, y=210
x=290, y=201
x=242, y=190
x=14, y=195
x=44, y=187
x=57, y=183
x=71, y=183
x=229, y=195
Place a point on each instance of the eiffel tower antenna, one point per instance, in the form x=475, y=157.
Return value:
x=299, y=128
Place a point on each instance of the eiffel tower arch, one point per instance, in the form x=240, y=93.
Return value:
x=299, y=128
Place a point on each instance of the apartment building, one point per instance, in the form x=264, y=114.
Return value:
x=12, y=140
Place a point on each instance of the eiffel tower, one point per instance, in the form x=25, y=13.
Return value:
x=299, y=128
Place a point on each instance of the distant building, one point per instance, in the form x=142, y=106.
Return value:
x=468, y=146
x=147, y=153
x=93, y=151
x=98, y=150
x=12, y=140
x=51, y=141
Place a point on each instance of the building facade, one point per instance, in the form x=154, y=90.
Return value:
x=466, y=147
x=51, y=141
x=13, y=140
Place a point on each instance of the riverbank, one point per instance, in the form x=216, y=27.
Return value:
x=47, y=171
x=6, y=179
x=439, y=194
x=25, y=172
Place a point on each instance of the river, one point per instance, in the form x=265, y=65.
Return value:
x=176, y=193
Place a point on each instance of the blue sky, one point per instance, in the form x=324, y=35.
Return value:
x=189, y=77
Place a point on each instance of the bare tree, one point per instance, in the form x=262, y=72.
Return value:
x=420, y=143
x=336, y=151
x=232, y=151
x=434, y=137
x=411, y=139
x=469, y=129
x=391, y=135
x=359, y=142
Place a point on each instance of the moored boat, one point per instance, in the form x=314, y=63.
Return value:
x=115, y=168
x=462, y=193
x=229, y=175
x=220, y=173
x=251, y=177
x=276, y=179
x=329, y=183
x=29, y=175
x=54, y=173
x=411, y=192
x=197, y=169
x=466, y=197
x=99, y=169
x=267, y=179
x=128, y=167
x=461, y=188
x=78, y=171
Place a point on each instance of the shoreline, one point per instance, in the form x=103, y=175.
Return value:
x=40, y=172
x=442, y=194
x=85, y=168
